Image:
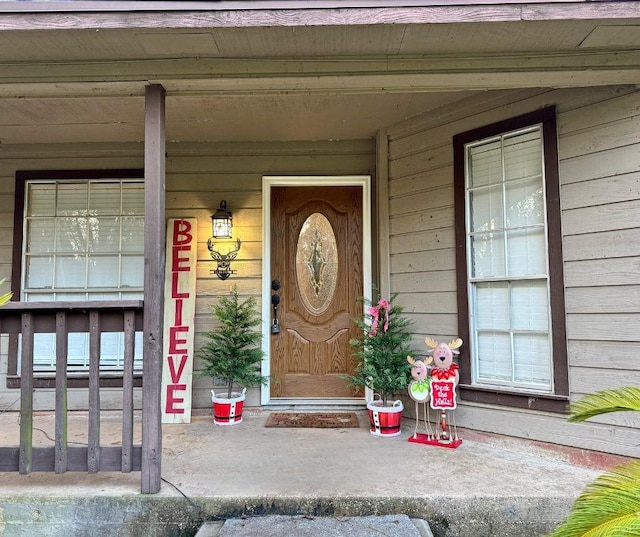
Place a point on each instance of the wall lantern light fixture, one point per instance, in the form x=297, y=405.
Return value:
x=221, y=222
x=221, y=229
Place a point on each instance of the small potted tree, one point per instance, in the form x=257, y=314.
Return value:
x=381, y=363
x=232, y=354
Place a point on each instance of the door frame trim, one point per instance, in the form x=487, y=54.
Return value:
x=269, y=181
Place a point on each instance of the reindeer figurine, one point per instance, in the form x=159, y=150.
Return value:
x=444, y=378
x=419, y=390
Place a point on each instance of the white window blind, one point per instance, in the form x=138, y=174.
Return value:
x=84, y=240
x=508, y=261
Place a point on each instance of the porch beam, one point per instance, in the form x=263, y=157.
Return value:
x=325, y=13
x=211, y=69
x=328, y=75
x=154, y=251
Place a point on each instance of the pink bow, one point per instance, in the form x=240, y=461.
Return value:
x=374, y=311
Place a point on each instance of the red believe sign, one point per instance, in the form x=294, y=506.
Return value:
x=179, y=311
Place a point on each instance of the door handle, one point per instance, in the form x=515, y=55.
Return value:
x=275, y=326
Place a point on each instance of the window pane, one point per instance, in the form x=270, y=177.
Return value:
x=42, y=199
x=105, y=235
x=132, y=234
x=485, y=164
x=487, y=255
x=523, y=155
x=527, y=252
x=132, y=271
x=44, y=351
x=132, y=295
x=71, y=296
x=71, y=235
x=137, y=355
x=525, y=203
x=41, y=234
x=103, y=295
x=78, y=350
x=70, y=272
x=104, y=271
x=111, y=350
x=104, y=198
x=41, y=297
x=72, y=199
x=492, y=306
x=494, y=357
x=532, y=359
x=39, y=272
x=530, y=305
x=487, y=209
x=133, y=198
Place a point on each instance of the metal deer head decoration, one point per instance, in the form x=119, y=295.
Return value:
x=223, y=270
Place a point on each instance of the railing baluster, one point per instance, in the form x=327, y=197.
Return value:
x=127, y=390
x=93, y=452
x=61, y=453
x=22, y=321
x=26, y=395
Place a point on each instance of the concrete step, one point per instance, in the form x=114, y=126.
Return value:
x=308, y=526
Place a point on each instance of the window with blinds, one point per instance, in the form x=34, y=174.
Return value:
x=83, y=240
x=508, y=274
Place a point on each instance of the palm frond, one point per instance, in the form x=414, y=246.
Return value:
x=608, y=507
x=605, y=401
x=6, y=297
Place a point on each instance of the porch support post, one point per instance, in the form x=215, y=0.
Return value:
x=154, y=251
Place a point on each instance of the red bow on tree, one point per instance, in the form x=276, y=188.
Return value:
x=374, y=311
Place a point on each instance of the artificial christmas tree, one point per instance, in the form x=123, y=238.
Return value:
x=382, y=366
x=232, y=354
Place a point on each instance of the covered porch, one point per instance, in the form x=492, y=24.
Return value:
x=210, y=102
x=489, y=486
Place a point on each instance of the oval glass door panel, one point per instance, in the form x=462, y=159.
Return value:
x=317, y=263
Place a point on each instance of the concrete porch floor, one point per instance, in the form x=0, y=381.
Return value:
x=489, y=486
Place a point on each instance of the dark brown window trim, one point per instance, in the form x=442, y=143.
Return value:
x=13, y=379
x=556, y=402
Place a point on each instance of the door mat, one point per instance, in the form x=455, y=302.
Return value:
x=313, y=420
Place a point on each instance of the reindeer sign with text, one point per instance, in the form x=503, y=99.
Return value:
x=441, y=389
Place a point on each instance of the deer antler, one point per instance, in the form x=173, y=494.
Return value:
x=430, y=342
x=229, y=256
x=455, y=344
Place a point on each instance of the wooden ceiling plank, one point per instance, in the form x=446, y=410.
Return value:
x=435, y=14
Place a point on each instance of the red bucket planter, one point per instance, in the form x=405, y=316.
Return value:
x=228, y=411
x=385, y=421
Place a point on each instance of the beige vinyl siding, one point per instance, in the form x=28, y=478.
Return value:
x=199, y=176
x=599, y=148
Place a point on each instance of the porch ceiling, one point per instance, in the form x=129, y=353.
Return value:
x=287, y=83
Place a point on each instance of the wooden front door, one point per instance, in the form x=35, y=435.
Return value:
x=316, y=255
